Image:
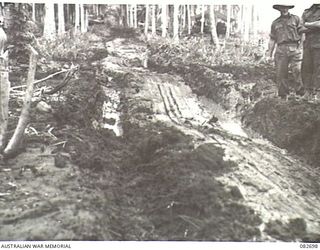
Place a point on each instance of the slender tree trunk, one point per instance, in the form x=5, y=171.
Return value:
x=202, y=18
x=183, y=16
x=77, y=18
x=128, y=15
x=122, y=15
x=228, y=20
x=86, y=19
x=247, y=20
x=131, y=15
x=258, y=24
x=70, y=13
x=123, y=12
x=67, y=16
x=49, y=30
x=189, y=19
x=254, y=22
x=82, y=27
x=176, y=21
x=213, y=28
x=241, y=23
x=192, y=14
x=153, y=30
x=96, y=9
x=61, y=23
x=146, y=22
x=18, y=135
x=135, y=16
x=164, y=20
x=34, y=12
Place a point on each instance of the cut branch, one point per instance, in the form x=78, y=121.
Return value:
x=17, y=137
x=47, y=77
x=50, y=76
x=65, y=81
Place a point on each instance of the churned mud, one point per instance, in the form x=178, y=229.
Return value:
x=132, y=151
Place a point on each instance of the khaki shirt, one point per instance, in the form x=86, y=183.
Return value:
x=285, y=29
x=313, y=36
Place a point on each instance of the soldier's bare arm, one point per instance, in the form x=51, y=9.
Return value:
x=315, y=24
x=271, y=46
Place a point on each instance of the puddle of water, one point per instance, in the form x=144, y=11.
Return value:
x=233, y=128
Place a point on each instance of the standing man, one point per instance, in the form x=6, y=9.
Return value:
x=311, y=51
x=285, y=34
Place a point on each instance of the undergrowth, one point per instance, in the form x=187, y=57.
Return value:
x=200, y=50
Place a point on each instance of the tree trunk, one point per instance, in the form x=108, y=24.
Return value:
x=153, y=31
x=241, y=21
x=247, y=16
x=146, y=22
x=228, y=21
x=183, y=16
x=96, y=10
x=254, y=22
x=131, y=15
x=192, y=15
x=18, y=135
x=49, y=30
x=82, y=21
x=164, y=20
x=71, y=15
x=77, y=18
x=189, y=18
x=67, y=16
x=135, y=16
x=123, y=16
x=86, y=19
x=4, y=99
x=176, y=22
x=202, y=18
x=128, y=15
x=61, y=23
x=213, y=28
x=34, y=12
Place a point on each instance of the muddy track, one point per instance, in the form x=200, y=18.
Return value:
x=276, y=185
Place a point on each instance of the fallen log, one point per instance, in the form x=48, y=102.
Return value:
x=18, y=135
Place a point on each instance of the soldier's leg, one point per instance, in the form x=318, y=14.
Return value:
x=316, y=71
x=295, y=63
x=281, y=62
x=307, y=68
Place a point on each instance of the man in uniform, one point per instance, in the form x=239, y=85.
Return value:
x=311, y=50
x=285, y=34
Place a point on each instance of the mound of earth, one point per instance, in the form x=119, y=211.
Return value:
x=289, y=124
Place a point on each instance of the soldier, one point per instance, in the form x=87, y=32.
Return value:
x=285, y=34
x=311, y=51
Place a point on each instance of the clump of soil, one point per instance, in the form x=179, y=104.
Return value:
x=289, y=124
x=294, y=229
